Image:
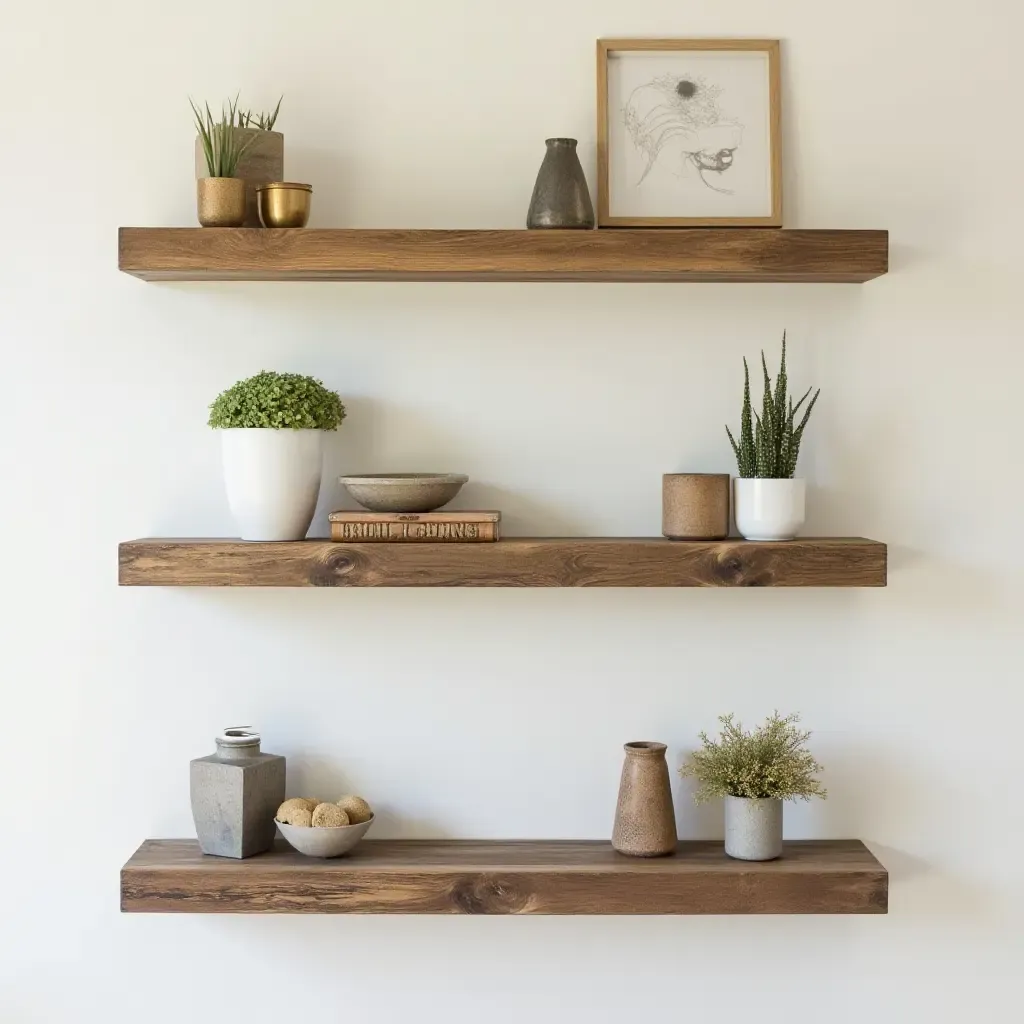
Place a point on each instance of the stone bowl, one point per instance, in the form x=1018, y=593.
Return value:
x=323, y=842
x=404, y=492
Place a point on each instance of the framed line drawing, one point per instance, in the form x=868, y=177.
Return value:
x=688, y=133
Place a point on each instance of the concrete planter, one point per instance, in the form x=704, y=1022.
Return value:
x=262, y=163
x=753, y=828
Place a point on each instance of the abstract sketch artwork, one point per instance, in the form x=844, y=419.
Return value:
x=684, y=108
x=689, y=136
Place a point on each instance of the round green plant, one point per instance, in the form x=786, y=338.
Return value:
x=769, y=762
x=279, y=401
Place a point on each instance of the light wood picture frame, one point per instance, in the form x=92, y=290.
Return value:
x=689, y=133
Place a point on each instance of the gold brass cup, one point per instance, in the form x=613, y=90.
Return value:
x=220, y=202
x=284, y=204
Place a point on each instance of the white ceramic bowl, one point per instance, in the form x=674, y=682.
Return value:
x=323, y=842
x=404, y=492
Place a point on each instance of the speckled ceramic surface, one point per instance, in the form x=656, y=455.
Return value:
x=753, y=828
x=645, y=821
x=404, y=492
x=560, y=198
x=234, y=794
x=324, y=842
x=695, y=506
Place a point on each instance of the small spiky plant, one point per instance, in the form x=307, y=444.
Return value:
x=223, y=147
x=264, y=120
x=770, y=448
x=770, y=762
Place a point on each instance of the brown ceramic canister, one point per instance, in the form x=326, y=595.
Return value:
x=645, y=821
x=695, y=506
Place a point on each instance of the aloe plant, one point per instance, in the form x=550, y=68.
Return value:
x=769, y=443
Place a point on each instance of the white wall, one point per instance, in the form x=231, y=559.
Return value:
x=501, y=714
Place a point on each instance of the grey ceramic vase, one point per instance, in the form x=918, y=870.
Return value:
x=753, y=828
x=235, y=794
x=560, y=196
x=645, y=821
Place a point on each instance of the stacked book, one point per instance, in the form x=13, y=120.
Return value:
x=415, y=527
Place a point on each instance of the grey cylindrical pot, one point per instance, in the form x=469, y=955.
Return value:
x=753, y=828
x=560, y=196
x=695, y=506
x=260, y=164
x=235, y=794
x=645, y=821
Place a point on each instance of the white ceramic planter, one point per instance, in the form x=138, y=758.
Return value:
x=753, y=828
x=768, y=509
x=273, y=480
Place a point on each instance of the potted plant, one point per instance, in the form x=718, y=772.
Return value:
x=272, y=429
x=220, y=196
x=754, y=771
x=768, y=502
x=261, y=160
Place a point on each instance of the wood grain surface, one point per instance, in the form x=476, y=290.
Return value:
x=519, y=562
x=484, y=877
x=310, y=254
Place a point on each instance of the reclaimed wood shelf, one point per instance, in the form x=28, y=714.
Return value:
x=425, y=876
x=342, y=254
x=518, y=562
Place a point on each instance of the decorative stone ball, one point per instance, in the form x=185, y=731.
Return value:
x=329, y=816
x=357, y=809
x=296, y=815
x=295, y=806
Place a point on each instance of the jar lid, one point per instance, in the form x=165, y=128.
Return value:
x=238, y=736
x=284, y=184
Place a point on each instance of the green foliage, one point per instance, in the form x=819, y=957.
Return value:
x=222, y=145
x=278, y=401
x=769, y=443
x=770, y=762
x=264, y=120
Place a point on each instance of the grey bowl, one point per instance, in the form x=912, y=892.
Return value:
x=404, y=492
x=323, y=842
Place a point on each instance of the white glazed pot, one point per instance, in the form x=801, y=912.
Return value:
x=753, y=828
x=273, y=480
x=768, y=509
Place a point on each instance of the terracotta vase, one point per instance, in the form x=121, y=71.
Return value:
x=645, y=822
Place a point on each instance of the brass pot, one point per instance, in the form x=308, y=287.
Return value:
x=284, y=204
x=220, y=202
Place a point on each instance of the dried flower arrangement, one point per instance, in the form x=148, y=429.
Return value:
x=770, y=762
x=278, y=401
x=771, y=449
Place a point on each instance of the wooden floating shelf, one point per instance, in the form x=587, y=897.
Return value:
x=520, y=562
x=341, y=254
x=423, y=876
